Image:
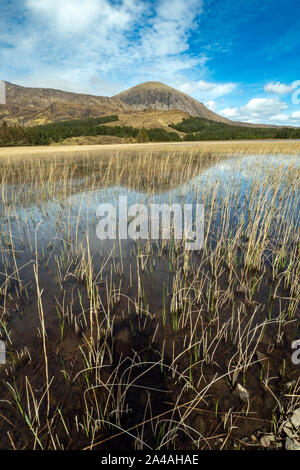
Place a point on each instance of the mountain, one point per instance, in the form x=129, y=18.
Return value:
x=156, y=95
x=41, y=105
x=137, y=106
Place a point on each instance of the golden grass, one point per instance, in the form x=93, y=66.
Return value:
x=150, y=119
x=216, y=147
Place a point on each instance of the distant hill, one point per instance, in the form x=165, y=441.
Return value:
x=150, y=104
x=32, y=106
x=156, y=95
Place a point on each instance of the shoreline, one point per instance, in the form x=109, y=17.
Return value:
x=36, y=150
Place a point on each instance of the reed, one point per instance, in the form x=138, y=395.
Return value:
x=121, y=343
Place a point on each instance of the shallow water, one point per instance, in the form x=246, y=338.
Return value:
x=53, y=219
x=148, y=297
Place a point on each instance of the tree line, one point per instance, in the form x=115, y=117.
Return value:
x=16, y=135
x=196, y=128
x=193, y=128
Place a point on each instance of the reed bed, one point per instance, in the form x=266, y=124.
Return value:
x=216, y=147
x=143, y=344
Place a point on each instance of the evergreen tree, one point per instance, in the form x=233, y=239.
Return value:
x=142, y=136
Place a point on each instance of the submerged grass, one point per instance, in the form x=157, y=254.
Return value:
x=145, y=344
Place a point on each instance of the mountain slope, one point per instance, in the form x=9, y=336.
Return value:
x=41, y=105
x=35, y=106
x=150, y=118
x=156, y=95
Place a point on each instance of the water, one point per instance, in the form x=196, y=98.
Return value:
x=61, y=224
x=147, y=320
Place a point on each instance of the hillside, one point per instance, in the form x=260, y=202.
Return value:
x=156, y=95
x=111, y=128
x=149, y=105
x=198, y=128
x=33, y=106
x=150, y=118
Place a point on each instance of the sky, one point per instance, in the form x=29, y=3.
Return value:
x=239, y=57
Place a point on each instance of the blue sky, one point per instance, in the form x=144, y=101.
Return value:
x=239, y=57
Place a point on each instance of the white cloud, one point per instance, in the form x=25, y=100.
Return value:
x=212, y=105
x=295, y=115
x=88, y=44
x=178, y=10
x=207, y=90
x=263, y=111
x=257, y=110
x=278, y=88
x=75, y=16
x=265, y=106
x=280, y=117
x=73, y=81
x=231, y=113
x=168, y=32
